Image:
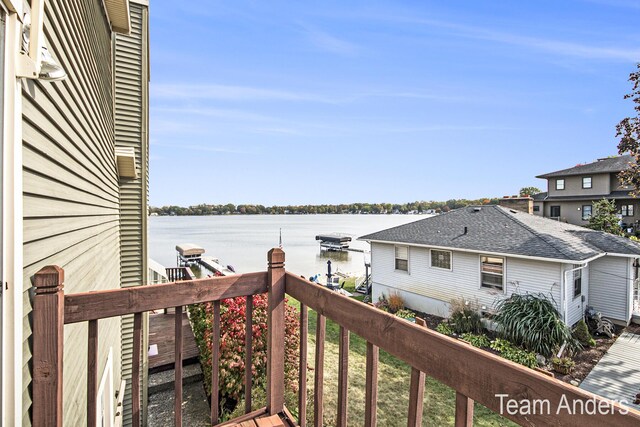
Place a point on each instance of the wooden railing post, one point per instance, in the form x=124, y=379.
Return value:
x=275, y=331
x=48, y=338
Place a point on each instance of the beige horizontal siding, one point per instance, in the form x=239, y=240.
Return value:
x=131, y=100
x=71, y=198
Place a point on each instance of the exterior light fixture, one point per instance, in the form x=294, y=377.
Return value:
x=34, y=60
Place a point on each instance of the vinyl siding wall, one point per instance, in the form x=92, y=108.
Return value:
x=71, y=200
x=463, y=281
x=610, y=287
x=600, y=184
x=574, y=305
x=131, y=124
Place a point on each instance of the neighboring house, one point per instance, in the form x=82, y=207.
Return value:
x=572, y=192
x=74, y=183
x=486, y=253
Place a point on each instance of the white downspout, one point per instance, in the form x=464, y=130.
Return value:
x=12, y=265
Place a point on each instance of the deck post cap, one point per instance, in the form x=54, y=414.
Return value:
x=50, y=276
x=275, y=257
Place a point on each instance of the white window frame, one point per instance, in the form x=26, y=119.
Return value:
x=590, y=178
x=395, y=258
x=440, y=268
x=558, y=181
x=504, y=274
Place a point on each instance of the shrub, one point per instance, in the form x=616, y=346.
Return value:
x=396, y=302
x=444, y=328
x=581, y=333
x=480, y=341
x=513, y=353
x=563, y=365
x=532, y=322
x=232, y=347
x=405, y=314
x=464, y=318
x=383, y=303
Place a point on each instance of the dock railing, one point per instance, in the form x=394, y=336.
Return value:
x=474, y=374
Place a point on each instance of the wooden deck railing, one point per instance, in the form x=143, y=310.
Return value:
x=475, y=375
x=175, y=274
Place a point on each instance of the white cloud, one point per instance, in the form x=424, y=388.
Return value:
x=557, y=47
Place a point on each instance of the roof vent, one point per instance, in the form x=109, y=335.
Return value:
x=477, y=209
x=513, y=211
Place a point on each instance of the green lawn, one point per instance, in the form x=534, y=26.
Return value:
x=393, y=386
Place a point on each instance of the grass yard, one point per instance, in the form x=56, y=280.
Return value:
x=393, y=386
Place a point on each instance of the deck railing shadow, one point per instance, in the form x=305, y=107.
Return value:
x=474, y=374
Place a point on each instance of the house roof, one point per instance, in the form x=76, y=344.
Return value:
x=495, y=229
x=608, y=165
x=540, y=196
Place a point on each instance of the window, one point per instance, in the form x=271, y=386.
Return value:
x=627, y=210
x=491, y=272
x=586, y=212
x=559, y=184
x=441, y=259
x=577, y=282
x=536, y=208
x=555, y=212
x=586, y=182
x=402, y=258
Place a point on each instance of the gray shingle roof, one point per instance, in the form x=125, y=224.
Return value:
x=500, y=230
x=609, y=165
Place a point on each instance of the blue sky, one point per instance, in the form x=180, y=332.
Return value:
x=275, y=102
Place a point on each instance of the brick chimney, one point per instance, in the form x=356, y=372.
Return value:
x=522, y=204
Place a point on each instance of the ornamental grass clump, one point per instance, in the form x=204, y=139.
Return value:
x=464, y=318
x=232, y=346
x=531, y=321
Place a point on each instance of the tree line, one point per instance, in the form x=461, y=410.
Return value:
x=418, y=207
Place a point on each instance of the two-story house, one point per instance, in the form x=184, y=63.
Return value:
x=572, y=192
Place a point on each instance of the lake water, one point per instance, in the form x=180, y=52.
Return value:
x=244, y=240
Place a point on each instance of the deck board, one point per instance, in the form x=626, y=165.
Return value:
x=161, y=333
x=616, y=376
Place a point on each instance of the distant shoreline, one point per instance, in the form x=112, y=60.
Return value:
x=412, y=208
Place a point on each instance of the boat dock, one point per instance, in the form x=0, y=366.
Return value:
x=334, y=241
x=213, y=264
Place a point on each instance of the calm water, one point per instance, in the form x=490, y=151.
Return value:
x=244, y=240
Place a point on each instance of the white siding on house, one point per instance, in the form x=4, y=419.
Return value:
x=463, y=281
x=609, y=287
x=575, y=306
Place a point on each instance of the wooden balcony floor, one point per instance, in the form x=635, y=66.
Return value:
x=161, y=333
x=260, y=418
x=264, y=421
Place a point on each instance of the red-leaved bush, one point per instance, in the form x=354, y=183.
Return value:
x=232, y=346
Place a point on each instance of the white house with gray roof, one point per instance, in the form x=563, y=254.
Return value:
x=486, y=253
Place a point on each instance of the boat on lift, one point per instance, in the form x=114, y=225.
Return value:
x=334, y=241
